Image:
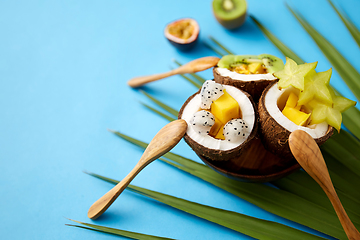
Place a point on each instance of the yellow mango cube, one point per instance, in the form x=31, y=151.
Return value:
x=215, y=128
x=256, y=68
x=225, y=108
x=220, y=134
x=292, y=100
x=296, y=116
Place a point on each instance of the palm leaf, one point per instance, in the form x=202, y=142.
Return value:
x=115, y=231
x=220, y=45
x=281, y=203
x=348, y=23
x=281, y=46
x=214, y=49
x=160, y=104
x=167, y=117
x=253, y=227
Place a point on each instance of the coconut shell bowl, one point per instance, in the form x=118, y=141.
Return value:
x=264, y=156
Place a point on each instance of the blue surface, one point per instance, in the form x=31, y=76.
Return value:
x=63, y=72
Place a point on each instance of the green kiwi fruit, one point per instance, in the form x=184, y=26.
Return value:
x=230, y=13
x=271, y=62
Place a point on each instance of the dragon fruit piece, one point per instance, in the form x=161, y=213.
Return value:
x=236, y=130
x=210, y=91
x=202, y=122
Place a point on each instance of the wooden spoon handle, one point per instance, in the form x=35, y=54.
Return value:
x=139, y=81
x=163, y=142
x=308, y=154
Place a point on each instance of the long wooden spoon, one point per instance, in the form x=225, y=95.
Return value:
x=163, y=142
x=308, y=154
x=197, y=65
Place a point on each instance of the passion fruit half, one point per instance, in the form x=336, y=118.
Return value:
x=183, y=33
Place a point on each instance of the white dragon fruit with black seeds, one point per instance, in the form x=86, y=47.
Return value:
x=202, y=122
x=236, y=130
x=210, y=91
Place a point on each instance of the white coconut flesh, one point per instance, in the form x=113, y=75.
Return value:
x=273, y=99
x=244, y=77
x=248, y=115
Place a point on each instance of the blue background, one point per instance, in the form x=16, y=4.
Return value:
x=63, y=72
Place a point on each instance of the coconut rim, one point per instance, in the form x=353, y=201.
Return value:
x=219, y=145
x=271, y=107
x=173, y=38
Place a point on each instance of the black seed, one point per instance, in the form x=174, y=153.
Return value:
x=227, y=133
x=244, y=135
x=235, y=129
x=207, y=131
x=246, y=126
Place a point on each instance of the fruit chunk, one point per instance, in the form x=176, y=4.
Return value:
x=256, y=68
x=216, y=128
x=330, y=113
x=220, y=134
x=292, y=101
x=296, y=116
x=230, y=14
x=225, y=108
x=316, y=87
x=293, y=74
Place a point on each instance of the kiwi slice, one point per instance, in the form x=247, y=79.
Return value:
x=230, y=13
x=271, y=62
x=230, y=61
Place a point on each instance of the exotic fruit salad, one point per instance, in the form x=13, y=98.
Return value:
x=221, y=121
x=301, y=99
x=249, y=73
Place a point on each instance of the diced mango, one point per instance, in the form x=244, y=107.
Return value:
x=292, y=100
x=225, y=108
x=220, y=134
x=296, y=116
x=256, y=68
x=216, y=127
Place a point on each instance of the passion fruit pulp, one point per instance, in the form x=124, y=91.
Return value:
x=183, y=33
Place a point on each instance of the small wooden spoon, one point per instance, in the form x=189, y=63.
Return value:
x=163, y=142
x=197, y=65
x=307, y=153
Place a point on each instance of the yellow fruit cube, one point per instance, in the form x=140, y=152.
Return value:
x=220, y=134
x=256, y=68
x=216, y=127
x=296, y=116
x=225, y=108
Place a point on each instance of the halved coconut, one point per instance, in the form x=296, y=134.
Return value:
x=216, y=149
x=275, y=127
x=254, y=84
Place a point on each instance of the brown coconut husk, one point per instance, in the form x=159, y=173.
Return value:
x=274, y=136
x=254, y=88
x=220, y=155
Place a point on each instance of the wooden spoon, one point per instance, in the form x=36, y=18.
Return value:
x=307, y=153
x=163, y=142
x=197, y=65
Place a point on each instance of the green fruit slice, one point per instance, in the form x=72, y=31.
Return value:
x=230, y=13
x=271, y=62
x=293, y=74
x=316, y=86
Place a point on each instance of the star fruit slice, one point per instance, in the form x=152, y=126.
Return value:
x=293, y=74
x=316, y=86
x=330, y=113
